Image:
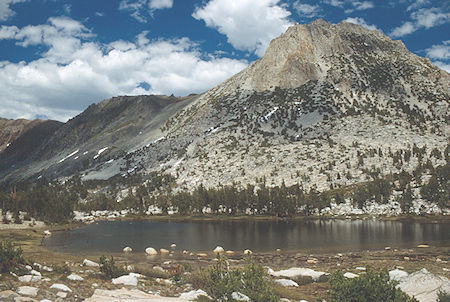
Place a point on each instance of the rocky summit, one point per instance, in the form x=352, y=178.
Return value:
x=328, y=106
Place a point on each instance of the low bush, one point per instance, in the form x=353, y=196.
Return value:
x=220, y=282
x=109, y=269
x=10, y=257
x=369, y=287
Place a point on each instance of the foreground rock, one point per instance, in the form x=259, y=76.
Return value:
x=123, y=294
x=130, y=280
x=424, y=286
x=296, y=272
x=28, y=291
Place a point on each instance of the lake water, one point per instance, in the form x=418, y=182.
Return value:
x=260, y=236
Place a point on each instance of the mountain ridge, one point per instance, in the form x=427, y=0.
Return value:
x=328, y=106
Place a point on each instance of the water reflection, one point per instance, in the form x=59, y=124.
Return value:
x=261, y=236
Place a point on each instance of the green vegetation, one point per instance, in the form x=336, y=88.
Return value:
x=10, y=257
x=369, y=287
x=220, y=282
x=109, y=269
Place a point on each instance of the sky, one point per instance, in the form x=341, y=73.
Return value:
x=58, y=56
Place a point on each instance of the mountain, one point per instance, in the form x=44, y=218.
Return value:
x=12, y=129
x=328, y=106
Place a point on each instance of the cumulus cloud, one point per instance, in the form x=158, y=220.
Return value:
x=417, y=4
x=442, y=65
x=306, y=10
x=5, y=8
x=141, y=9
x=441, y=52
x=75, y=71
x=336, y=3
x=357, y=5
x=422, y=18
x=248, y=24
x=362, y=22
x=160, y=4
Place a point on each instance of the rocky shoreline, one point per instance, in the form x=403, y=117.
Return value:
x=56, y=276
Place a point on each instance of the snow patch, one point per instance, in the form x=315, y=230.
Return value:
x=100, y=152
x=69, y=156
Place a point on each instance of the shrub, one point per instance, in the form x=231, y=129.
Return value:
x=109, y=269
x=443, y=297
x=10, y=257
x=369, y=287
x=61, y=269
x=220, y=282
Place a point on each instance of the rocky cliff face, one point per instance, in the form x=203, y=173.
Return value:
x=327, y=106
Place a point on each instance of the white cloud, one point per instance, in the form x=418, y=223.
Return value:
x=75, y=71
x=430, y=17
x=5, y=8
x=403, y=30
x=361, y=22
x=357, y=5
x=336, y=3
x=140, y=9
x=441, y=52
x=417, y=3
x=423, y=18
x=306, y=10
x=442, y=65
x=248, y=24
x=160, y=4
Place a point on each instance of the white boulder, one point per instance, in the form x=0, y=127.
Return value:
x=350, y=275
x=248, y=252
x=47, y=233
x=286, y=282
x=164, y=251
x=127, y=249
x=75, y=277
x=193, y=295
x=90, y=263
x=130, y=280
x=27, y=291
x=30, y=278
x=61, y=287
x=239, y=297
x=424, y=285
x=218, y=250
x=295, y=272
x=397, y=275
x=151, y=251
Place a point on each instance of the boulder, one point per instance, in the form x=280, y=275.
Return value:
x=296, y=272
x=164, y=251
x=397, y=275
x=130, y=280
x=62, y=294
x=239, y=297
x=61, y=287
x=127, y=249
x=35, y=273
x=202, y=255
x=350, y=275
x=424, y=285
x=423, y=246
x=286, y=282
x=47, y=233
x=151, y=251
x=193, y=295
x=248, y=252
x=230, y=253
x=173, y=245
x=218, y=250
x=7, y=294
x=27, y=291
x=30, y=278
x=75, y=277
x=90, y=263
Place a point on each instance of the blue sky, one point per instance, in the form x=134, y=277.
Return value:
x=59, y=56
